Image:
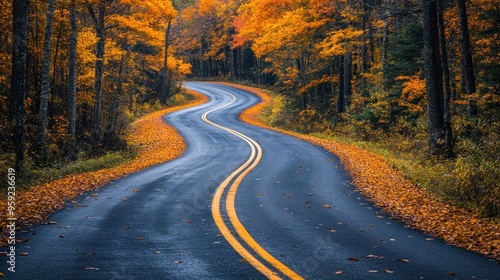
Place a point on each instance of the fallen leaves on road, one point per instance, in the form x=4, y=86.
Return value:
x=158, y=142
x=388, y=189
x=386, y=270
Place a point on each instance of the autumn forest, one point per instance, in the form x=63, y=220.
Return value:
x=417, y=79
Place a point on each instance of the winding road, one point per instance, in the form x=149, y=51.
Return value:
x=242, y=203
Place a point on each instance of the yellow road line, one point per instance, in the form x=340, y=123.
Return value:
x=243, y=170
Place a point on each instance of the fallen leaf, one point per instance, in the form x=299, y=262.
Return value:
x=352, y=259
x=327, y=206
x=388, y=271
x=404, y=260
x=340, y=272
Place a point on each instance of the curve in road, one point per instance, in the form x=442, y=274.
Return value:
x=242, y=171
x=296, y=203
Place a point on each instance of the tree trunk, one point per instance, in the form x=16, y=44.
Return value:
x=165, y=90
x=258, y=70
x=20, y=10
x=385, y=34
x=232, y=64
x=364, y=51
x=448, y=133
x=44, y=93
x=72, y=71
x=340, y=96
x=347, y=78
x=99, y=71
x=469, y=82
x=111, y=129
x=433, y=75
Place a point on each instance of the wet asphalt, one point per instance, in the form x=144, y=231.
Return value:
x=298, y=204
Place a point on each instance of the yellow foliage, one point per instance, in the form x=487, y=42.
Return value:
x=339, y=42
x=85, y=46
x=292, y=29
x=317, y=82
x=141, y=28
x=184, y=68
x=207, y=6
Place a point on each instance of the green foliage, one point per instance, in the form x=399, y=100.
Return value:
x=404, y=52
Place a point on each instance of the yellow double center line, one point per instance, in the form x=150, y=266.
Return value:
x=239, y=174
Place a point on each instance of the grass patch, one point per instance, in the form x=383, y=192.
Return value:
x=38, y=176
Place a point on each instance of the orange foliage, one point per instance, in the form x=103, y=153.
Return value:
x=158, y=143
x=413, y=94
x=388, y=189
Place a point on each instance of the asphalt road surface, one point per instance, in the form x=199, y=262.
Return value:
x=242, y=203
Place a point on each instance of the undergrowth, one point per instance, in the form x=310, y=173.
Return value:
x=469, y=178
